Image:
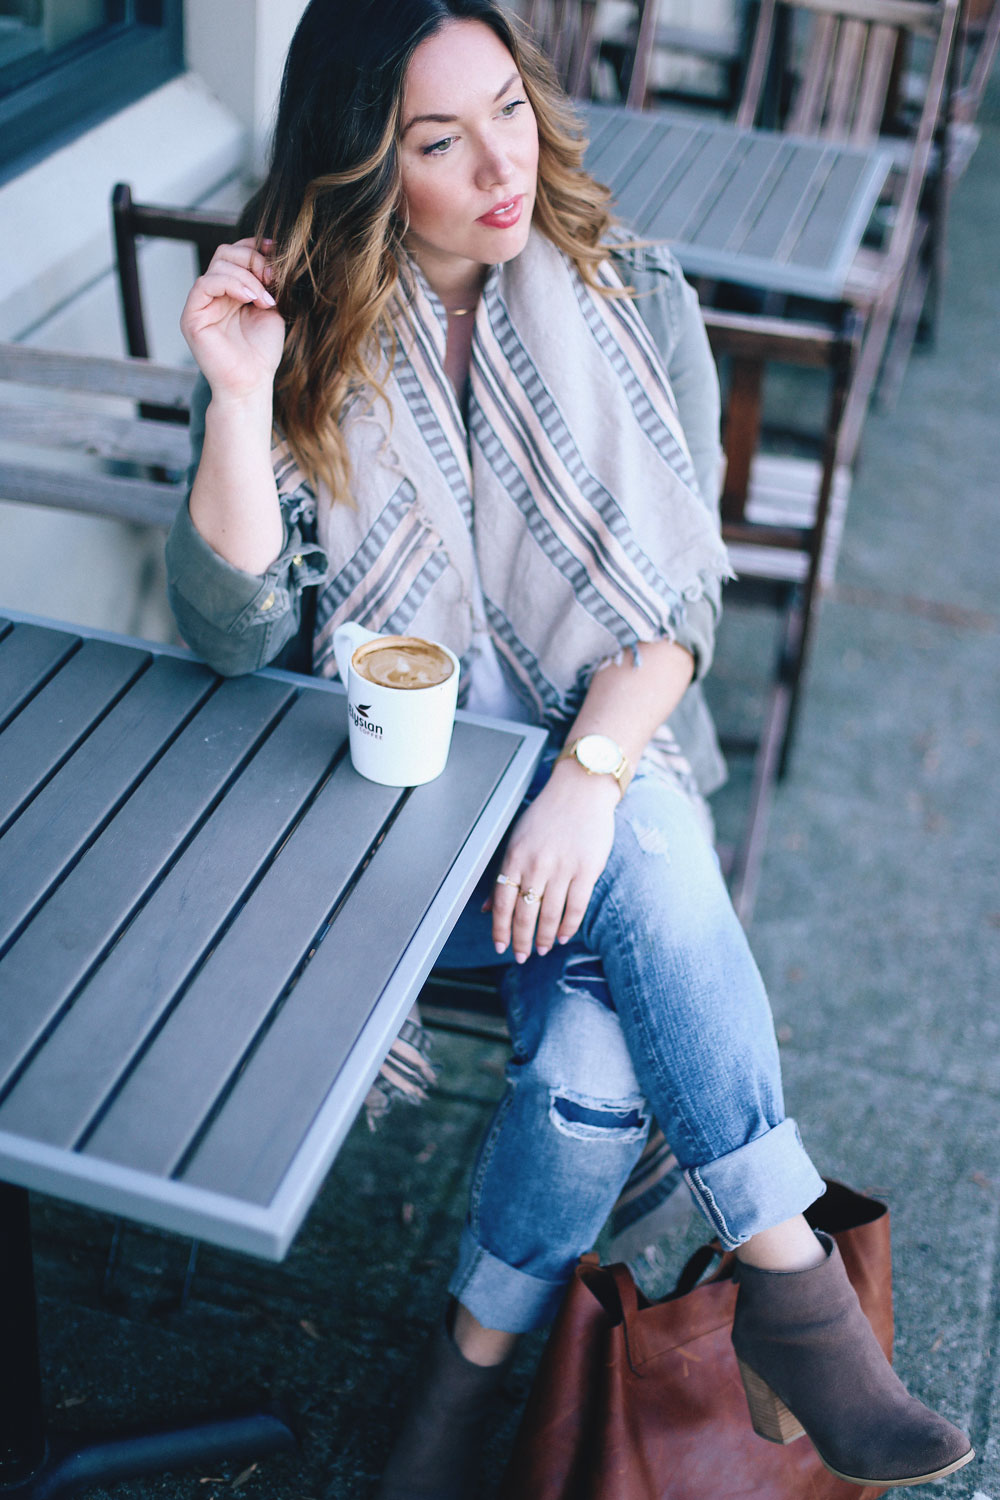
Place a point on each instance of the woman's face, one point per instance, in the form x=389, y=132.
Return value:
x=468, y=153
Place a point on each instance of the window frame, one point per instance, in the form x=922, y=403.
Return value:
x=88, y=81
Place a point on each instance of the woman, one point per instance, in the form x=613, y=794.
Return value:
x=495, y=425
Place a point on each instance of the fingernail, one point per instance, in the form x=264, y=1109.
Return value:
x=521, y=958
x=542, y=951
x=563, y=940
x=268, y=300
x=500, y=947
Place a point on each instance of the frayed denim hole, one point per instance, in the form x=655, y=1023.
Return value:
x=622, y=1120
x=584, y=975
x=649, y=836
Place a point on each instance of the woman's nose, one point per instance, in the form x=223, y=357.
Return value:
x=495, y=168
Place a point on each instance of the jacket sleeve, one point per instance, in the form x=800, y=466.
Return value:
x=669, y=308
x=238, y=621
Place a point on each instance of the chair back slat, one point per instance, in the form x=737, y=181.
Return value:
x=96, y=374
x=645, y=40
x=807, y=113
x=875, y=89
x=564, y=30
x=66, y=445
x=844, y=80
x=140, y=502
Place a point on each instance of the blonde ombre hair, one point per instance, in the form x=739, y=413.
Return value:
x=332, y=202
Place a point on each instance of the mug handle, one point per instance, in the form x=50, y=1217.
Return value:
x=346, y=640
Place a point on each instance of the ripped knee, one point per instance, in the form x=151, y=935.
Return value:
x=583, y=1118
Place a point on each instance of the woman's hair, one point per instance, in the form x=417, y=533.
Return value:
x=332, y=201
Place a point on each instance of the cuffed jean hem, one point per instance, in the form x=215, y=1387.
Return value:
x=762, y=1184
x=500, y=1296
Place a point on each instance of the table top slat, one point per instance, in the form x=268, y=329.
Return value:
x=81, y=918
x=28, y=655
x=49, y=727
x=829, y=222
x=709, y=168
x=249, y=1145
x=726, y=225
x=165, y=1100
x=57, y=826
x=652, y=170
x=110, y=1019
x=800, y=180
x=610, y=143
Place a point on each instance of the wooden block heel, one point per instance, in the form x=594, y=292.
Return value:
x=770, y=1416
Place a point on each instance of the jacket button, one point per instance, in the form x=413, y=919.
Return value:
x=268, y=602
x=297, y=561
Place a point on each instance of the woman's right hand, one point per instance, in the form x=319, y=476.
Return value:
x=231, y=322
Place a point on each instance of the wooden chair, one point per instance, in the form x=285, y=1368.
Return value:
x=566, y=30
x=66, y=444
x=841, y=82
x=781, y=518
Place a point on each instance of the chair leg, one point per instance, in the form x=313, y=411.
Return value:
x=744, y=876
x=865, y=377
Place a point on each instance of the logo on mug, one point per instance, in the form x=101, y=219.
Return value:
x=360, y=719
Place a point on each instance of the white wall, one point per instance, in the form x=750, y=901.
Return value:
x=239, y=50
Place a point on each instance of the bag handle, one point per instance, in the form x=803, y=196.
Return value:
x=625, y=1286
x=697, y=1265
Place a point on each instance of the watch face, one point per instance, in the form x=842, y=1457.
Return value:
x=598, y=753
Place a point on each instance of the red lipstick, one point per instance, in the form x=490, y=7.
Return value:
x=503, y=215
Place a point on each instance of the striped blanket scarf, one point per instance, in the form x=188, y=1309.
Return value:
x=560, y=512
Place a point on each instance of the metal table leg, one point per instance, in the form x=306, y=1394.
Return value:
x=34, y=1467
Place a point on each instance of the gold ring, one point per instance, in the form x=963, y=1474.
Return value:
x=532, y=897
x=503, y=879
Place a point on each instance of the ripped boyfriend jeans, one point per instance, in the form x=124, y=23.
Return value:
x=656, y=1008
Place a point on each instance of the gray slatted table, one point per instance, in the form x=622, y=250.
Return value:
x=211, y=928
x=756, y=207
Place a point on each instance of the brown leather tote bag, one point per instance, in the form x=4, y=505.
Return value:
x=643, y=1401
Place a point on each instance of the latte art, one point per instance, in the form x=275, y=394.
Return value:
x=402, y=661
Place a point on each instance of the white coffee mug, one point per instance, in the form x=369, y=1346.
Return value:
x=399, y=730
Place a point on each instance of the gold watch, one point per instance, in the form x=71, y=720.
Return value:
x=599, y=755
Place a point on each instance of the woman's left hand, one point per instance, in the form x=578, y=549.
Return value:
x=557, y=850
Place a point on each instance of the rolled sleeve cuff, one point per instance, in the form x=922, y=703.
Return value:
x=238, y=621
x=696, y=632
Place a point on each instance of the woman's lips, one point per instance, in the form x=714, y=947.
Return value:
x=505, y=215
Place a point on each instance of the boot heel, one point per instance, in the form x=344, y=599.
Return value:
x=770, y=1416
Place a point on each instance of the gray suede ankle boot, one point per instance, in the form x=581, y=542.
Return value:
x=811, y=1363
x=438, y=1451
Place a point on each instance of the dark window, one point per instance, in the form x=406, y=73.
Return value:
x=66, y=64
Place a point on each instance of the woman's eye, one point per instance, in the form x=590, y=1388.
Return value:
x=439, y=147
x=509, y=109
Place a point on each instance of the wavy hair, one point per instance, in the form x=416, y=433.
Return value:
x=332, y=202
